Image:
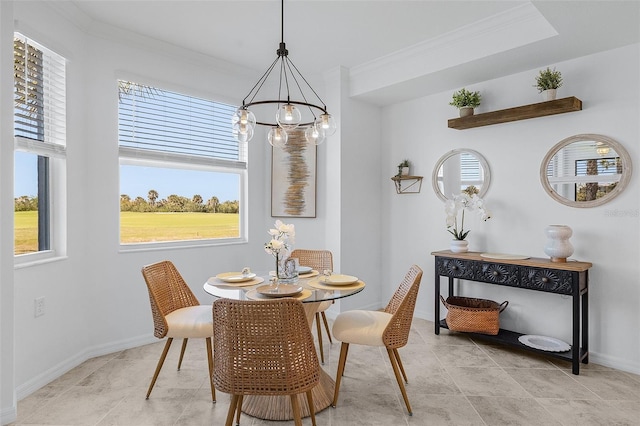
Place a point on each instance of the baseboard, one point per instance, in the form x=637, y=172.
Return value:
x=8, y=415
x=58, y=370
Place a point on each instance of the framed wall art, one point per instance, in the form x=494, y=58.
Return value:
x=293, y=178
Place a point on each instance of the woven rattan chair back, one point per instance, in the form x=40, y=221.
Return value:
x=263, y=347
x=167, y=292
x=316, y=259
x=401, y=306
x=320, y=260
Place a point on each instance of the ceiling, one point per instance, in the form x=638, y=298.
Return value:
x=394, y=50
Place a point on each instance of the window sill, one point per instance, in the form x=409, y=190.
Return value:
x=177, y=245
x=27, y=261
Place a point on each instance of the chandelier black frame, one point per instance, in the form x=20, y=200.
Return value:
x=289, y=75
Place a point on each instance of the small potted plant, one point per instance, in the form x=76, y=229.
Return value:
x=548, y=82
x=465, y=101
x=403, y=168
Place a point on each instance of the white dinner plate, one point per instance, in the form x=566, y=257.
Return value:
x=235, y=277
x=304, y=269
x=338, y=279
x=544, y=343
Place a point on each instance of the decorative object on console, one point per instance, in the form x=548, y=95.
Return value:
x=558, y=247
x=547, y=82
x=465, y=101
x=473, y=315
x=467, y=200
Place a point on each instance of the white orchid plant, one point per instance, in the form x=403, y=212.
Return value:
x=467, y=200
x=282, y=236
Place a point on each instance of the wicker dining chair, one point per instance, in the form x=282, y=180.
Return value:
x=319, y=260
x=177, y=313
x=388, y=328
x=264, y=347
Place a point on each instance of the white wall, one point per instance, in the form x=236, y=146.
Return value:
x=607, y=236
x=7, y=377
x=96, y=299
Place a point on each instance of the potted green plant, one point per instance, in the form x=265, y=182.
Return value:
x=403, y=168
x=547, y=82
x=465, y=101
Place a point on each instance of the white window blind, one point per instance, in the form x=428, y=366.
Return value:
x=39, y=96
x=160, y=124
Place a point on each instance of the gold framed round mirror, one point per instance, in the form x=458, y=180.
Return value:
x=457, y=170
x=585, y=170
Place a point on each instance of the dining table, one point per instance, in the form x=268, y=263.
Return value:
x=311, y=288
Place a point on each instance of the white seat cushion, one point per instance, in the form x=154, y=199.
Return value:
x=194, y=321
x=361, y=327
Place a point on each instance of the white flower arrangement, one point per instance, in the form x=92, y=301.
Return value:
x=467, y=200
x=281, y=237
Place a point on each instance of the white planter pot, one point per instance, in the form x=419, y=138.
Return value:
x=459, y=246
x=404, y=171
x=549, y=94
x=466, y=111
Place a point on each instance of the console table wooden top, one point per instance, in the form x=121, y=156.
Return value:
x=537, y=262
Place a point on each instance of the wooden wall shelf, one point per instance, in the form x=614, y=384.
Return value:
x=540, y=109
x=407, y=184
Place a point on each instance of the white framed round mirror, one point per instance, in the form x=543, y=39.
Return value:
x=585, y=170
x=457, y=170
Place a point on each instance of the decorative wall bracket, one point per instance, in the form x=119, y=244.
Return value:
x=407, y=184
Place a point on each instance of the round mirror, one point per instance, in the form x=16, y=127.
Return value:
x=459, y=169
x=585, y=170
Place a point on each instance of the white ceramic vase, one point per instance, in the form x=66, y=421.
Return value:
x=558, y=247
x=459, y=246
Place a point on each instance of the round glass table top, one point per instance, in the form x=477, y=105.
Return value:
x=313, y=288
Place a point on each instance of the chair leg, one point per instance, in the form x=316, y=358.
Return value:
x=319, y=337
x=396, y=371
x=297, y=417
x=239, y=410
x=326, y=325
x=341, y=362
x=159, y=366
x=210, y=360
x=312, y=408
x=397, y=355
x=184, y=347
x=232, y=410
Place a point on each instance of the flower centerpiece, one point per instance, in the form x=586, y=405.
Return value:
x=467, y=200
x=282, y=236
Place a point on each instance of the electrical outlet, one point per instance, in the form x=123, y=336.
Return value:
x=39, y=306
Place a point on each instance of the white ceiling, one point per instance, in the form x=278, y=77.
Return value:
x=434, y=45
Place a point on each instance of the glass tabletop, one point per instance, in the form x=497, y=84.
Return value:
x=313, y=289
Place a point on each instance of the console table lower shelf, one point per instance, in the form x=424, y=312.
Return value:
x=510, y=338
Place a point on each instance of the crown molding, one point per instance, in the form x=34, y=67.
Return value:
x=513, y=28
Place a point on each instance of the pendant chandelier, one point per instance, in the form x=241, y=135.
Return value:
x=307, y=112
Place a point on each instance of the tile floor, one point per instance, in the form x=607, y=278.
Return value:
x=452, y=381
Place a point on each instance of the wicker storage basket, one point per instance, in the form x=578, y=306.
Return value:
x=473, y=315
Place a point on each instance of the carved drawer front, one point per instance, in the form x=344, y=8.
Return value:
x=549, y=280
x=500, y=274
x=456, y=268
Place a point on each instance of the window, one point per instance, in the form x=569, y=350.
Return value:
x=40, y=139
x=182, y=174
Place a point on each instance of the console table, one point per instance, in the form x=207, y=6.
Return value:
x=568, y=278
